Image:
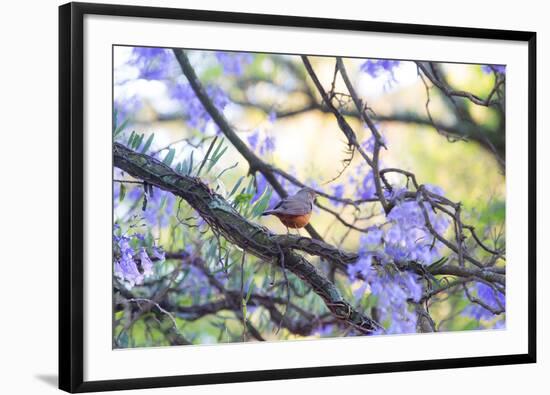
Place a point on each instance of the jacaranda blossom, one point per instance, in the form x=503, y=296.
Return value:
x=375, y=67
x=488, y=69
x=125, y=266
x=489, y=296
x=152, y=63
x=234, y=62
x=128, y=260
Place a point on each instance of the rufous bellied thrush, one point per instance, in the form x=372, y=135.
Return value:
x=294, y=211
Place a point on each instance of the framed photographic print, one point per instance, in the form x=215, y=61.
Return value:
x=258, y=197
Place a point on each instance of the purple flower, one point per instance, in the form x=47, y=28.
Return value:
x=324, y=330
x=395, y=194
x=197, y=116
x=368, y=144
x=374, y=236
x=492, y=298
x=488, y=69
x=261, y=185
x=146, y=263
x=338, y=191
x=410, y=283
x=500, y=324
x=153, y=63
x=126, y=108
x=159, y=206
x=362, y=267
x=407, y=215
x=268, y=145
x=392, y=290
x=253, y=139
x=402, y=321
x=367, y=189
x=195, y=284
x=375, y=67
x=408, y=238
x=158, y=253
x=434, y=189
x=125, y=266
x=234, y=62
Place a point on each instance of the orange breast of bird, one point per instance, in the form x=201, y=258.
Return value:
x=294, y=221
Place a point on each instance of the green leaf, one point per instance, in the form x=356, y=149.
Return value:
x=243, y=198
x=212, y=73
x=169, y=157
x=131, y=139
x=250, y=289
x=224, y=268
x=262, y=203
x=227, y=169
x=123, y=339
x=251, y=188
x=185, y=274
x=211, y=251
x=148, y=143
x=163, y=202
x=122, y=192
x=471, y=326
x=191, y=163
x=437, y=264
x=115, y=116
x=138, y=141
x=121, y=127
x=217, y=147
x=206, y=156
x=496, y=212
x=226, y=263
x=237, y=184
x=183, y=167
x=216, y=157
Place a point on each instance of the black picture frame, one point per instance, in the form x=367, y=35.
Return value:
x=71, y=197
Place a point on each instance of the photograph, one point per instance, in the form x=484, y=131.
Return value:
x=271, y=197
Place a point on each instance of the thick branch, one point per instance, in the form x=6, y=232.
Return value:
x=253, y=238
x=315, y=247
x=487, y=275
x=303, y=326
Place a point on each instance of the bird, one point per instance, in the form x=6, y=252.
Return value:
x=294, y=211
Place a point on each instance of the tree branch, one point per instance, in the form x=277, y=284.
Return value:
x=448, y=91
x=225, y=220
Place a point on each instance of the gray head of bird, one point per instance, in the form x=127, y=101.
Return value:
x=307, y=191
